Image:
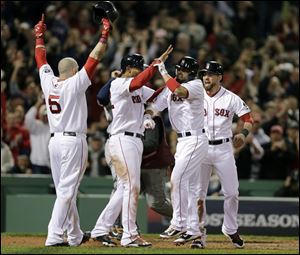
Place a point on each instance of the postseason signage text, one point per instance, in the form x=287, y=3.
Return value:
x=257, y=215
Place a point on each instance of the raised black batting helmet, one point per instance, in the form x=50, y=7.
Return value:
x=134, y=60
x=212, y=67
x=104, y=9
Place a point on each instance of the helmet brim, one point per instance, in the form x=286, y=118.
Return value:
x=208, y=71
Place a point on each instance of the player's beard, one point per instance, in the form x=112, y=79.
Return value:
x=180, y=78
x=210, y=86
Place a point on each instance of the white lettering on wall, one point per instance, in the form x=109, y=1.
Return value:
x=260, y=220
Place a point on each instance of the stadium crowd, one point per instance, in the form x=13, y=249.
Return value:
x=256, y=41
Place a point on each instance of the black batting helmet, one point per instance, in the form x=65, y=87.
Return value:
x=135, y=60
x=104, y=9
x=189, y=64
x=212, y=67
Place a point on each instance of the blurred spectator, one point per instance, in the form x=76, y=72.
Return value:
x=16, y=136
x=248, y=156
x=97, y=165
x=257, y=131
x=22, y=165
x=290, y=186
x=278, y=157
x=7, y=160
x=39, y=137
x=245, y=17
x=3, y=100
x=293, y=139
x=262, y=138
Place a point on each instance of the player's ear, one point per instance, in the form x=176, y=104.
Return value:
x=220, y=77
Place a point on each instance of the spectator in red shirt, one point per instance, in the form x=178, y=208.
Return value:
x=16, y=136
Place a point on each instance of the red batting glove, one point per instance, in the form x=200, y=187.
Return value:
x=105, y=30
x=40, y=28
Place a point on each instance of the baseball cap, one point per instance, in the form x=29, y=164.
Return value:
x=277, y=128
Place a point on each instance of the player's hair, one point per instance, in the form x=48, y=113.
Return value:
x=66, y=64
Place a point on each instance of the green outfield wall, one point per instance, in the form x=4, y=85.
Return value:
x=27, y=201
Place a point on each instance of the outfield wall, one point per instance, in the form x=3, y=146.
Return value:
x=26, y=206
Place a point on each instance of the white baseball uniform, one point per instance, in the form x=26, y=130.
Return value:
x=125, y=148
x=67, y=116
x=219, y=112
x=186, y=117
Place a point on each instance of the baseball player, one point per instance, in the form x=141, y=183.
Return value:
x=220, y=106
x=156, y=158
x=67, y=115
x=184, y=97
x=127, y=98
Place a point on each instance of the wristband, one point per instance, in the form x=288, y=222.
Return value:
x=39, y=41
x=245, y=132
x=172, y=84
x=103, y=39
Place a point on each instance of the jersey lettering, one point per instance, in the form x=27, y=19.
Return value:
x=54, y=106
x=176, y=98
x=136, y=99
x=222, y=112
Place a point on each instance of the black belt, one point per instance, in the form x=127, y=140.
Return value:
x=217, y=142
x=187, y=133
x=66, y=134
x=133, y=134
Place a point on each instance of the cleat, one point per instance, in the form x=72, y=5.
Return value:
x=86, y=237
x=139, y=242
x=105, y=240
x=236, y=240
x=170, y=232
x=116, y=233
x=203, y=236
x=197, y=244
x=184, y=238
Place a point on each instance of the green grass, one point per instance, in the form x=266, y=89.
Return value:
x=217, y=244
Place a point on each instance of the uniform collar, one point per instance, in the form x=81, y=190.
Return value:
x=217, y=94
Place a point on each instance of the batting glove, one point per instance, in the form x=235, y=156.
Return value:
x=105, y=30
x=148, y=122
x=161, y=68
x=40, y=28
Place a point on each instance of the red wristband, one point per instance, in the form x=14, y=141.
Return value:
x=172, y=84
x=39, y=41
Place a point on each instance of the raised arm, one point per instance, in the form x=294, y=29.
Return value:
x=171, y=82
x=142, y=78
x=40, y=50
x=98, y=52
